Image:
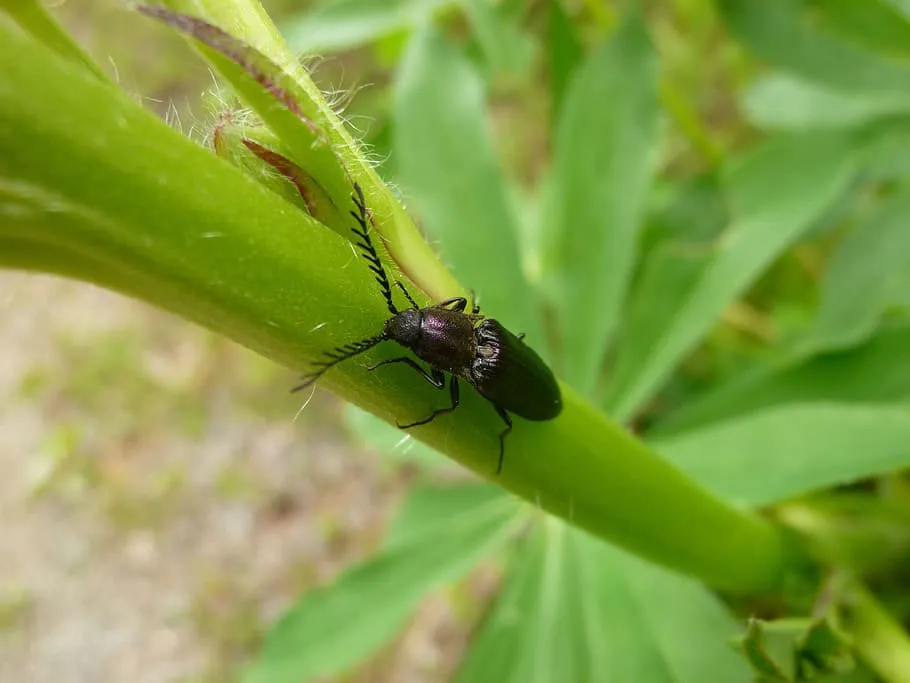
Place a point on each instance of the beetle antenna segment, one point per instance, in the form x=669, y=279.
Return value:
x=407, y=294
x=335, y=356
x=369, y=251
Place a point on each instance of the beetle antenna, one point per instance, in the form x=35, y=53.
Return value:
x=407, y=294
x=335, y=356
x=369, y=251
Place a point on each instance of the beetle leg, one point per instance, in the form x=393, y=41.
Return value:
x=453, y=392
x=437, y=379
x=475, y=307
x=457, y=304
x=502, y=435
x=521, y=336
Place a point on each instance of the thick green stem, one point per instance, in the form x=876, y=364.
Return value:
x=93, y=186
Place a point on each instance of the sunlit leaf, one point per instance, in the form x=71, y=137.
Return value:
x=885, y=154
x=869, y=272
x=602, y=171
x=780, y=102
x=879, y=25
x=332, y=628
x=792, y=450
x=575, y=609
x=777, y=192
x=426, y=505
x=563, y=51
x=785, y=36
x=336, y=25
x=683, y=235
x=447, y=164
x=390, y=441
x=507, y=48
x=875, y=372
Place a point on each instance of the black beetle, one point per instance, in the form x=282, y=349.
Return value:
x=497, y=363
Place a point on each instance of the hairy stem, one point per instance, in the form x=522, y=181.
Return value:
x=93, y=186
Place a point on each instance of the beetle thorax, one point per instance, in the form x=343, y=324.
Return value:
x=404, y=328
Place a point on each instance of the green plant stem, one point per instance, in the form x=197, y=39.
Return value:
x=248, y=21
x=878, y=639
x=93, y=186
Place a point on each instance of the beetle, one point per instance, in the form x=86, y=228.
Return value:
x=469, y=346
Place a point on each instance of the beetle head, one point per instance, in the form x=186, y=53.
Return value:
x=404, y=327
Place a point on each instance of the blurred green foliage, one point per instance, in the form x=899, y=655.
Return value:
x=758, y=229
x=707, y=202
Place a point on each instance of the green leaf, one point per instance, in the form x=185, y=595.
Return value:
x=682, y=234
x=605, y=147
x=564, y=54
x=792, y=450
x=796, y=650
x=785, y=36
x=875, y=372
x=885, y=153
x=507, y=48
x=426, y=505
x=332, y=628
x=390, y=440
x=878, y=25
x=575, y=609
x=32, y=17
x=447, y=163
x=780, y=102
x=335, y=25
x=777, y=192
x=868, y=273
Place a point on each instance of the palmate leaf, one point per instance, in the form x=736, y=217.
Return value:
x=777, y=192
x=875, y=372
x=784, y=35
x=574, y=609
x=447, y=165
x=389, y=440
x=603, y=162
x=881, y=26
x=334, y=25
x=439, y=536
x=508, y=50
x=782, y=102
x=792, y=450
x=868, y=273
x=564, y=53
